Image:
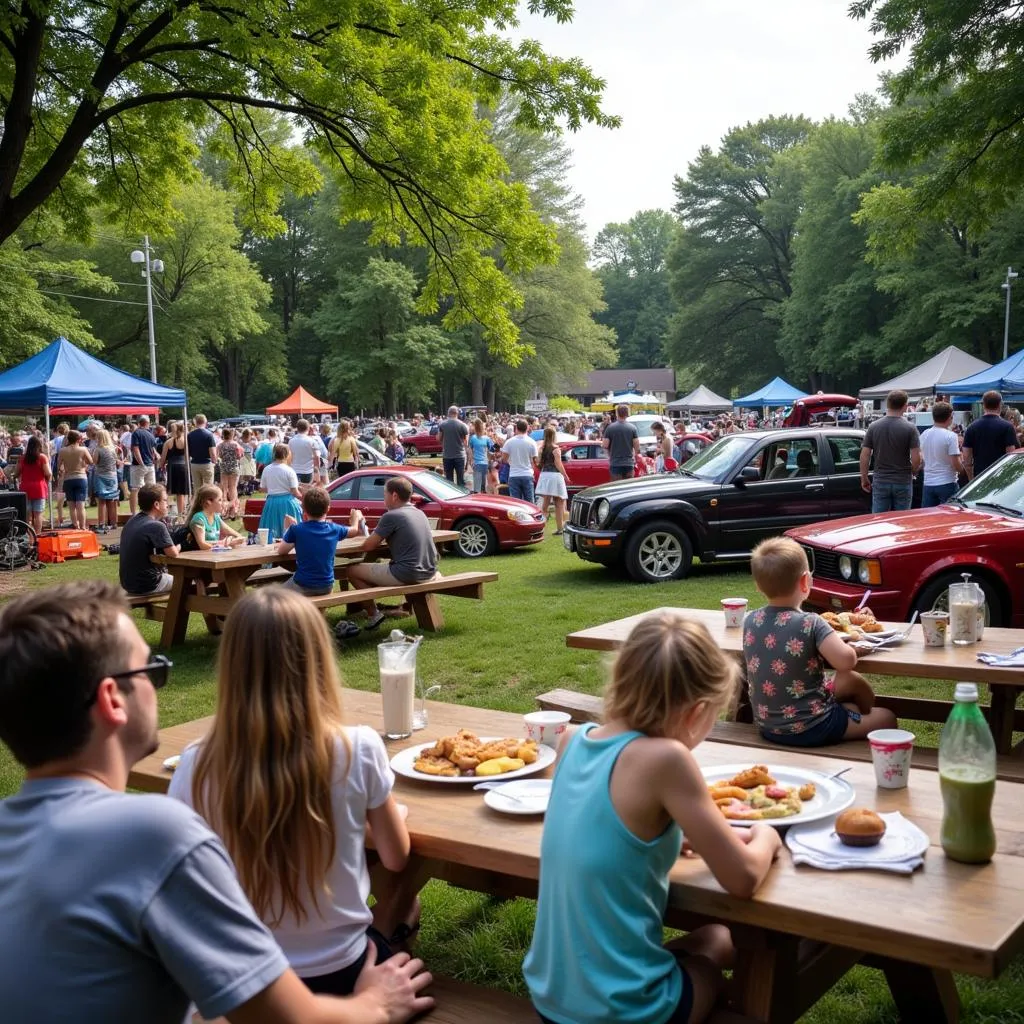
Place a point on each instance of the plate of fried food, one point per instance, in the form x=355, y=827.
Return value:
x=466, y=757
x=748, y=794
x=861, y=629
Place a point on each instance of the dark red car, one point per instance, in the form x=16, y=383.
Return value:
x=422, y=442
x=909, y=559
x=486, y=523
x=587, y=464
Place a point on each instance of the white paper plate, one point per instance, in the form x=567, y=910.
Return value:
x=833, y=795
x=902, y=841
x=402, y=764
x=532, y=796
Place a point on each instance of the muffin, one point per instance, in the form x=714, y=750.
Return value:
x=860, y=827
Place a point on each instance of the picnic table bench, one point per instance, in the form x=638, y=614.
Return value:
x=911, y=658
x=804, y=929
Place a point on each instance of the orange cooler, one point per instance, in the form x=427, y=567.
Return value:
x=61, y=545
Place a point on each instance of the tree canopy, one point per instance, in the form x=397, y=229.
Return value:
x=105, y=103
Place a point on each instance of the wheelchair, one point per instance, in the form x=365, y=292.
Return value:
x=18, y=543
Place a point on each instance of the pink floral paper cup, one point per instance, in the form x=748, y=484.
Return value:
x=735, y=608
x=546, y=727
x=891, y=750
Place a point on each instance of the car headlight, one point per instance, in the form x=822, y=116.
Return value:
x=846, y=567
x=869, y=570
x=601, y=510
x=519, y=515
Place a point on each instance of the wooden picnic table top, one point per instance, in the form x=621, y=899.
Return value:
x=946, y=915
x=911, y=658
x=255, y=555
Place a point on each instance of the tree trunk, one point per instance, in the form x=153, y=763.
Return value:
x=477, y=388
x=489, y=394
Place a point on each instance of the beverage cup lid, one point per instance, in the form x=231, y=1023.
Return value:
x=897, y=738
x=734, y=602
x=548, y=717
x=935, y=615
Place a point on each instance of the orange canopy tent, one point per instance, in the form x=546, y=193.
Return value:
x=301, y=403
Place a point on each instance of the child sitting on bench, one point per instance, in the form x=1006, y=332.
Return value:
x=315, y=541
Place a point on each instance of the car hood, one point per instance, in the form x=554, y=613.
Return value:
x=661, y=485
x=497, y=504
x=869, y=535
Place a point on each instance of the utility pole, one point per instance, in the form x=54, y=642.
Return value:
x=143, y=256
x=1007, y=285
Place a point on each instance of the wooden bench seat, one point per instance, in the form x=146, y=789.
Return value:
x=153, y=605
x=421, y=596
x=276, y=574
x=585, y=707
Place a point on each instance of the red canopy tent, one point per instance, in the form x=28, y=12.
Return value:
x=301, y=403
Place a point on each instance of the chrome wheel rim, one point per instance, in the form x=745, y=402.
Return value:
x=660, y=555
x=473, y=540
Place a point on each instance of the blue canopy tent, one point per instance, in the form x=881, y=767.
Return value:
x=1007, y=376
x=63, y=374
x=775, y=393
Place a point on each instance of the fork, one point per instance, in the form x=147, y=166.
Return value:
x=507, y=796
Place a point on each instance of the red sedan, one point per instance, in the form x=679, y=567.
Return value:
x=909, y=559
x=587, y=464
x=422, y=442
x=486, y=523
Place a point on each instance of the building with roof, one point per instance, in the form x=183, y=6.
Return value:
x=658, y=381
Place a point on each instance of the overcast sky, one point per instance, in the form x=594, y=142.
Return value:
x=681, y=73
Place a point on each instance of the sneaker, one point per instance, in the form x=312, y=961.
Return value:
x=374, y=622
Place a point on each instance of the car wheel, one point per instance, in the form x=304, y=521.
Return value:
x=657, y=551
x=411, y=449
x=476, y=539
x=935, y=597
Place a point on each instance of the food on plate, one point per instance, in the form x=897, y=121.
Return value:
x=854, y=624
x=753, y=795
x=860, y=827
x=466, y=754
x=499, y=765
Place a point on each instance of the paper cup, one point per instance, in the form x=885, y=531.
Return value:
x=263, y=536
x=735, y=608
x=546, y=727
x=935, y=626
x=891, y=750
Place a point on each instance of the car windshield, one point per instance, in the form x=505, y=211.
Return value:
x=439, y=488
x=1000, y=487
x=715, y=461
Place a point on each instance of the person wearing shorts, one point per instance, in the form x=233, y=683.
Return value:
x=73, y=462
x=143, y=468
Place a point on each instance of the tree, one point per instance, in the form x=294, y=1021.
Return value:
x=381, y=355
x=633, y=272
x=103, y=102
x=732, y=263
x=960, y=98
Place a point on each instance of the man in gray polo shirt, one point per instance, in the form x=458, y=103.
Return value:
x=896, y=446
x=118, y=908
x=454, y=446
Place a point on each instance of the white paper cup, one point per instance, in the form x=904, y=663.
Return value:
x=891, y=750
x=263, y=536
x=735, y=608
x=935, y=626
x=546, y=727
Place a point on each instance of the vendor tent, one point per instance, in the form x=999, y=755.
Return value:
x=301, y=403
x=774, y=393
x=701, y=399
x=103, y=410
x=1007, y=376
x=950, y=364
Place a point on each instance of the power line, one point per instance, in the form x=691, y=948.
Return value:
x=70, y=277
x=91, y=298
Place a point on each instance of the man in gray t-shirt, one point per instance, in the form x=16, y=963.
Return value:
x=896, y=446
x=622, y=443
x=116, y=907
x=454, y=443
x=413, y=554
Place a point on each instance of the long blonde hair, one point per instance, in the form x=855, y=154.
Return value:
x=201, y=497
x=264, y=775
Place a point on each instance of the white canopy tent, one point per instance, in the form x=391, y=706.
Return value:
x=701, y=399
x=944, y=367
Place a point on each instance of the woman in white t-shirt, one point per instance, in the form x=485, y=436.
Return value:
x=290, y=789
x=283, y=495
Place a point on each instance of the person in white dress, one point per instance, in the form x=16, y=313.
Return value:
x=552, y=480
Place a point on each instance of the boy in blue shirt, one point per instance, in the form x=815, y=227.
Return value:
x=314, y=541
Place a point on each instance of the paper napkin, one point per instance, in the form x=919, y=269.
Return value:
x=902, y=849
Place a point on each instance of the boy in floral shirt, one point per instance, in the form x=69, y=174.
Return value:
x=787, y=651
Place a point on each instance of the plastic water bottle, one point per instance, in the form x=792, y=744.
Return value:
x=967, y=777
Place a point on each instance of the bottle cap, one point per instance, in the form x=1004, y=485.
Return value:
x=966, y=691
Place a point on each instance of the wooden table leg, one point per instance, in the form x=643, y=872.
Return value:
x=923, y=995
x=428, y=611
x=764, y=977
x=1000, y=719
x=176, y=616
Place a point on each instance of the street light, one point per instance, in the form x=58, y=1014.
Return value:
x=155, y=266
x=1007, y=286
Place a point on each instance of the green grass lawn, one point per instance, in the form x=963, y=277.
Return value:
x=500, y=653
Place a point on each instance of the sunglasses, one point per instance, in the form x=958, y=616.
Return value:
x=157, y=670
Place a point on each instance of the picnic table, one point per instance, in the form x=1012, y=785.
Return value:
x=804, y=929
x=911, y=658
x=213, y=582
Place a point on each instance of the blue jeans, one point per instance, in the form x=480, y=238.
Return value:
x=521, y=487
x=480, y=478
x=890, y=497
x=936, y=494
x=455, y=470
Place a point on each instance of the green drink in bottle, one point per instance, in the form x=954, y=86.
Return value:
x=967, y=776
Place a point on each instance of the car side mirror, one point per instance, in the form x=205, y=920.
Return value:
x=747, y=475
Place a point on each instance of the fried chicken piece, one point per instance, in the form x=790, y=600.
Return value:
x=752, y=778
x=526, y=752
x=807, y=791
x=726, y=792
x=872, y=627
x=433, y=765
x=498, y=748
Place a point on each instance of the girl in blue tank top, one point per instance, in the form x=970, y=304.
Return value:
x=621, y=793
